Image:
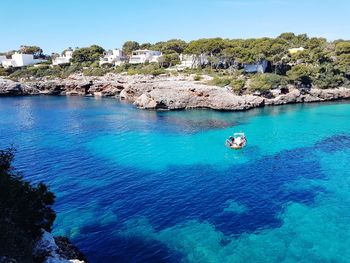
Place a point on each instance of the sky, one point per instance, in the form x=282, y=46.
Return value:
x=57, y=24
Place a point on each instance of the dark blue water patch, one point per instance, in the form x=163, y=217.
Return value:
x=189, y=125
x=200, y=192
x=334, y=143
x=117, y=248
x=175, y=195
x=196, y=192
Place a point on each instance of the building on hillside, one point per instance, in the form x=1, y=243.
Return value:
x=2, y=58
x=192, y=61
x=295, y=50
x=20, y=60
x=143, y=56
x=114, y=57
x=64, y=59
x=259, y=67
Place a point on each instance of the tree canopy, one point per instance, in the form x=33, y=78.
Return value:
x=129, y=47
x=35, y=50
x=87, y=54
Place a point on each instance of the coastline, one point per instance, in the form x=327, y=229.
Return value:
x=167, y=92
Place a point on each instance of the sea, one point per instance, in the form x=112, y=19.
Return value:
x=161, y=186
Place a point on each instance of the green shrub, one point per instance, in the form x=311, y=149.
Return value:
x=190, y=71
x=220, y=81
x=73, y=68
x=156, y=72
x=95, y=64
x=147, y=69
x=197, y=77
x=120, y=69
x=237, y=84
x=301, y=74
x=328, y=77
x=174, y=73
x=265, y=82
x=6, y=71
x=96, y=71
x=25, y=209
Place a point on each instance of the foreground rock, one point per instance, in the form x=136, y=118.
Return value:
x=51, y=249
x=174, y=95
x=11, y=88
x=166, y=92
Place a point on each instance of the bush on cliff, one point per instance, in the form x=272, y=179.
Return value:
x=265, y=82
x=220, y=81
x=25, y=209
x=147, y=69
x=235, y=82
x=96, y=71
x=237, y=85
x=328, y=77
x=301, y=74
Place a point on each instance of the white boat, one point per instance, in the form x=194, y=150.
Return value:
x=237, y=141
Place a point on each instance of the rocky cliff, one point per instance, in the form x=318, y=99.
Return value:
x=167, y=93
x=50, y=249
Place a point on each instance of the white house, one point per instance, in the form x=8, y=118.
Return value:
x=192, y=61
x=143, y=56
x=114, y=56
x=2, y=58
x=20, y=60
x=295, y=50
x=64, y=59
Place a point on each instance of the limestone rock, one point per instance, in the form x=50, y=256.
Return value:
x=145, y=102
x=167, y=92
x=57, y=250
x=12, y=88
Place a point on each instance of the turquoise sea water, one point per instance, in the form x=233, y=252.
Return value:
x=145, y=186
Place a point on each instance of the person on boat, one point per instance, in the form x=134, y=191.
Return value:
x=239, y=141
x=231, y=141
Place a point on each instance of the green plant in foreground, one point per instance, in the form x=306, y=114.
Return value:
x=25, y=209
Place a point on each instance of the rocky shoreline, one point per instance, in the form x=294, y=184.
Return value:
x=167, y=92
x=50, y=249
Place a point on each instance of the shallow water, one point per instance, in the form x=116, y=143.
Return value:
x=145, y=186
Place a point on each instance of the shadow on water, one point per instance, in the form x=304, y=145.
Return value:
x=117, y=248
x=201, y=193
x=334, y=143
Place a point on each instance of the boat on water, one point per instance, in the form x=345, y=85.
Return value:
x=237, y=141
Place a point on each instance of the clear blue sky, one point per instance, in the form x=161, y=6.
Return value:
x=57, y=24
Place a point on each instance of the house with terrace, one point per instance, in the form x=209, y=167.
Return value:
x=64, y=59
x=2, y=58
x=191, y=61
x=114, y=57
x=21, y=60
x=145, y=55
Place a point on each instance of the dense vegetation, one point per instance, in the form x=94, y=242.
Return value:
x=25, y=209
x=321, y=64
